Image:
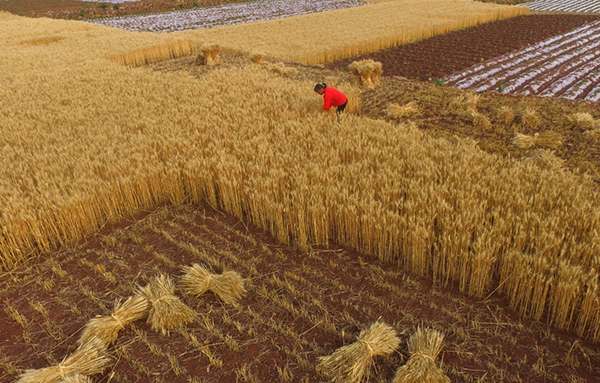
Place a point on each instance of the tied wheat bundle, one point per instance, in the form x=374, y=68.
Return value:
x=209, y=54
x=366, y=72
x=282, y=70
x=424, y=346
x=90, y=358
x=256, y=57
x=477, y=119
x=167, y=312
x=547, y=139
x=107, y=328
x=351, y=363
x=530, y=118
x=228, y=286
x=77, y=378
x=397, y=111
x=505, y=115
x=584, y=120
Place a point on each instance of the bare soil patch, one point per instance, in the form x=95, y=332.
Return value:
x=445, y=54
x=82, y=10
x=299, y=306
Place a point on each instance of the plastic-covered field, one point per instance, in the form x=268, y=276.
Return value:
x=227, y=14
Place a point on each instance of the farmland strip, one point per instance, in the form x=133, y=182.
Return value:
x=555, y=46
x=548, y=64
x=571, y=79
x=565, y=38
x=563, y=5
x=227, y=14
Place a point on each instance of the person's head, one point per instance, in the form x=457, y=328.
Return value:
x=320, y=88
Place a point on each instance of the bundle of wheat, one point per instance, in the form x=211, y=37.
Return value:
x=77, y=378
x=593, y=134
x=523, y=141
x=228, y=286
x=209, y=54
x=505, y=115
x=167, y=312
x=530, y=118
x=256, y=57
x=351, y=363
x=548, y=139
x=366, y=72
x=89, y=359
x=397, y=111
x=282, y=70
x=477, y=119
x=583, y=120
x=424, y=346
x=107, y=328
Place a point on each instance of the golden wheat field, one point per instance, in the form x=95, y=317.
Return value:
x=92, y=135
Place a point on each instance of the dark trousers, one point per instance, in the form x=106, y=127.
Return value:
x=341, y=108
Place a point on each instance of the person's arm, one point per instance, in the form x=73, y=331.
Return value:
x=326, y=101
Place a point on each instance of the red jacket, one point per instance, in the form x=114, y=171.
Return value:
x=333, y=97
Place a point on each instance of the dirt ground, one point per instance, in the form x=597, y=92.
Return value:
x=298, y=306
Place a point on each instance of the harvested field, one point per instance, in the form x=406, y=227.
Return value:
x=452, y=52
x=299, y=306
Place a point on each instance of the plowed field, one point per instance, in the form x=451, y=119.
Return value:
x=443, y=55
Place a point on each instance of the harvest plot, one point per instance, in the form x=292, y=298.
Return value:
x=565, y=66
x=564, y=5
x=227, y=14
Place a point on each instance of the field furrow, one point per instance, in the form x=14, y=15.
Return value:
x=517, y=62
x=548, y=68
x=564, y=5
x=227, y=14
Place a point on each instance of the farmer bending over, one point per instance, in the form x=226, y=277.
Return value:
x=332, y=97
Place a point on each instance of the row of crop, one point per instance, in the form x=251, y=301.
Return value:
x=559, y=66
x=227, y=14
x=564, y=5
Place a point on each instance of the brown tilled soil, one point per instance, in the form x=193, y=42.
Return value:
x=81, y=10
x=442, y=55
x=298, y=306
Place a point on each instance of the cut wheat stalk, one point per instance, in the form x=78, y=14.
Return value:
x=593, y=134
x=352, y=363
x=424, y=346
x=89, y=359
x=256, y=57
x=400, y=111
x=584, y=120
x=107, y=328
x=209, y=55
x=505, y=115
x=167, y=312
x=366, y=72
x=547, y=139
x=228, y=286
